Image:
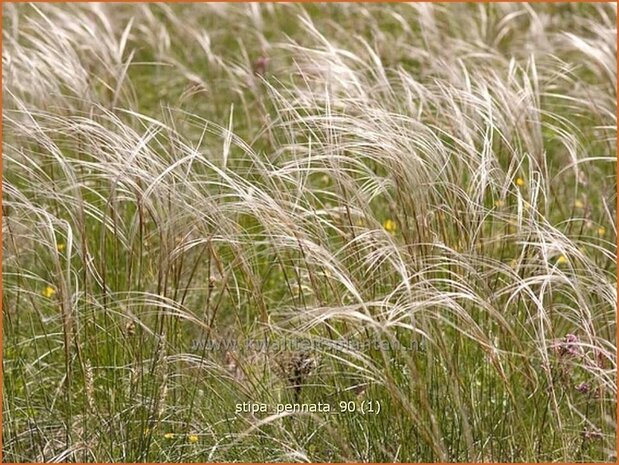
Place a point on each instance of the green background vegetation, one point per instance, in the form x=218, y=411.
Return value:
x=431, y=174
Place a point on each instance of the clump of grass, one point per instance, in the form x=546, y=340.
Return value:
x=407, y=207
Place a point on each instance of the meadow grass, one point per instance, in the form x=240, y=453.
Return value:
x=403, y=209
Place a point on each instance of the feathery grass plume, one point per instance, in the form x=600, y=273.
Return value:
x=89, y=381
x=424, y=192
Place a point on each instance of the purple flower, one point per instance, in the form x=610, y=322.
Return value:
x=569, y=347
x=583, y=388
x=260, y=65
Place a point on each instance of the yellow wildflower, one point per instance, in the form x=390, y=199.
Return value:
x=192, y=438
x=499, y=203
x=49, y=292
x=562, y=260
x=520, y=182
x=60, y=247
x=390, y=225
x=601, y=231
x=578, y=204
x=169, y=435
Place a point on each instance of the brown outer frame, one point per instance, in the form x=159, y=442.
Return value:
x=2, y=2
